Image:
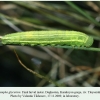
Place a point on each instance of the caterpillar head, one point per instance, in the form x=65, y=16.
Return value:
x=89, y=41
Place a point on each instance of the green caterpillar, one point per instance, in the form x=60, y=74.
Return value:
x=57, y=37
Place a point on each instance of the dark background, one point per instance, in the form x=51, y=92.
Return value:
x=27, y=16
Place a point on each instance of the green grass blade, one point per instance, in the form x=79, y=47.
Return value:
x=82, y=12
x=80, y=48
